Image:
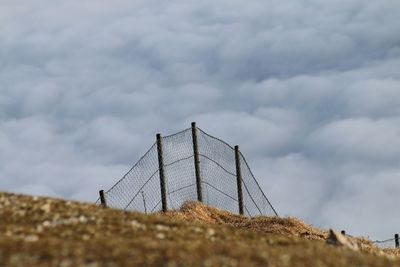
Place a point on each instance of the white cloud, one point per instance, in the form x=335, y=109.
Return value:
x=364, y=200
x=358, y=140
x=308, y=89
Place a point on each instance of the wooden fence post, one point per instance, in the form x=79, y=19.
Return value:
x=396, y=240
x=144, y=202
x=103, y=199
x=197, y=162
x=239, y=180
x=162, y=174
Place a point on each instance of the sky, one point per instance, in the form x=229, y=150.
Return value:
x=309, y=89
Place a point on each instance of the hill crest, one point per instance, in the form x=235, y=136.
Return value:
x=36, y=231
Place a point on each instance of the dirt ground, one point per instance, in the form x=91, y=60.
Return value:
x=51, y=232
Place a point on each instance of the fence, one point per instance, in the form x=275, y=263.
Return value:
x=388, y=243
x=189, y=165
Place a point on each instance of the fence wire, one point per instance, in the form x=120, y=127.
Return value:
x=389, y=243
x=139, y=189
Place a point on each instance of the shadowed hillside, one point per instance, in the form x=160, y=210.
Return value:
x=50, y=232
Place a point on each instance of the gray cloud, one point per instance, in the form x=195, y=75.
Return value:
x=308, y=89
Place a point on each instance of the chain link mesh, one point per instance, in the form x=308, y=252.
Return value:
x=179, y=168
x=254, y=198
x=143, y=176
x=218, y=172
x=140, y=189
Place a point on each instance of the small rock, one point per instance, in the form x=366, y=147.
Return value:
x=160, y=227
x=31, y=238
x=160, y=236
x=21, y=213
x=197, y=230
x=138, y=225
x=82, y=219
x=39, y=228
x=46, y=224
x=46, y=208
x=210, y=232
x=337, y=239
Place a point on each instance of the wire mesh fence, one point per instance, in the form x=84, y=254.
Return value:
x=388, y=243
x=140, y=188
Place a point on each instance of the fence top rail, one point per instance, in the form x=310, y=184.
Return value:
x=172, y=135
x=216, y=138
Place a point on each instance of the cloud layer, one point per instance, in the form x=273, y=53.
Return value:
x=310, y=91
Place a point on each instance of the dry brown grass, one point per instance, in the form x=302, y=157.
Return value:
x=44, y=232
x=293, y=227
x=290, y=226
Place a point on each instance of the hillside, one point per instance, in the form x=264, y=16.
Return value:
x=51, y=232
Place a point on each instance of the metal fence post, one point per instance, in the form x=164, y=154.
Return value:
x=103, y=199
x=396, y=240
x=162, y=174
x=239, y=179
x=197, y=162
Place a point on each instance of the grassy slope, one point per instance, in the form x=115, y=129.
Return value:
x=51, y=232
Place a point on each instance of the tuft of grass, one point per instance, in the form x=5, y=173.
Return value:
x=290, y=226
